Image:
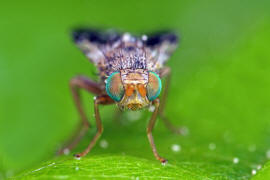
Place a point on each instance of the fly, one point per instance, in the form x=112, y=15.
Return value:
x=130, y=72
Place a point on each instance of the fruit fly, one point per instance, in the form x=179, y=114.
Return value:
x=130, y=69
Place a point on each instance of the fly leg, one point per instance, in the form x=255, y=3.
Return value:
x=99, y=100
x=149, y=131
x=166, y=73
x=77, y=83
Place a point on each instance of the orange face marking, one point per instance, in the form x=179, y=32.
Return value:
x=141, y=90
x=129, y=90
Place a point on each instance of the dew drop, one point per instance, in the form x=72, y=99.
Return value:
x=152, y=108
x=253, y=172
x=104, y=144
x=235, y=160
x=77, y=168
x=176, y=148
x=126, y=37
x=144, y=37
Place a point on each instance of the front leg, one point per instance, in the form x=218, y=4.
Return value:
x=76, y=84
x=150, y=127
x=104, y=100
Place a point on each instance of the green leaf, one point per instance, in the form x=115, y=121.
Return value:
x=263, y=174
x=219, y=92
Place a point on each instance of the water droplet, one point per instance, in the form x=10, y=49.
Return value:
x=126, y=37
x=77, y=168
x=104, y=144
x=66, y=151
x=176, y=148
x=137, y=178
x=253, y=172
x=212, y=146
x=259, y=166
x=151, y=108
x=235, y=160
x=144, y=37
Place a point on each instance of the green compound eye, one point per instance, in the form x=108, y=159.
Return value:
x=154, y=86
x=114, y=86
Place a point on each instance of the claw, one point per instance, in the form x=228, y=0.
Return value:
x=163, y=161
x=77, y=156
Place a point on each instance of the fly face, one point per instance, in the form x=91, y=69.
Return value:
x=134, y=97
x=133, y=89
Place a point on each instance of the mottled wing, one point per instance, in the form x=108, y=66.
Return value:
x=160, y=47
x=92, y=42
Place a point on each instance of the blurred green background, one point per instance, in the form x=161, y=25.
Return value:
x=219, y=90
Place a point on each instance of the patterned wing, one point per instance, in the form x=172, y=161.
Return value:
x=92, y=42
x=160, y=47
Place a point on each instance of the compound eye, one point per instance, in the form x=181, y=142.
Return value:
x=154, y=86
x=114, y=86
